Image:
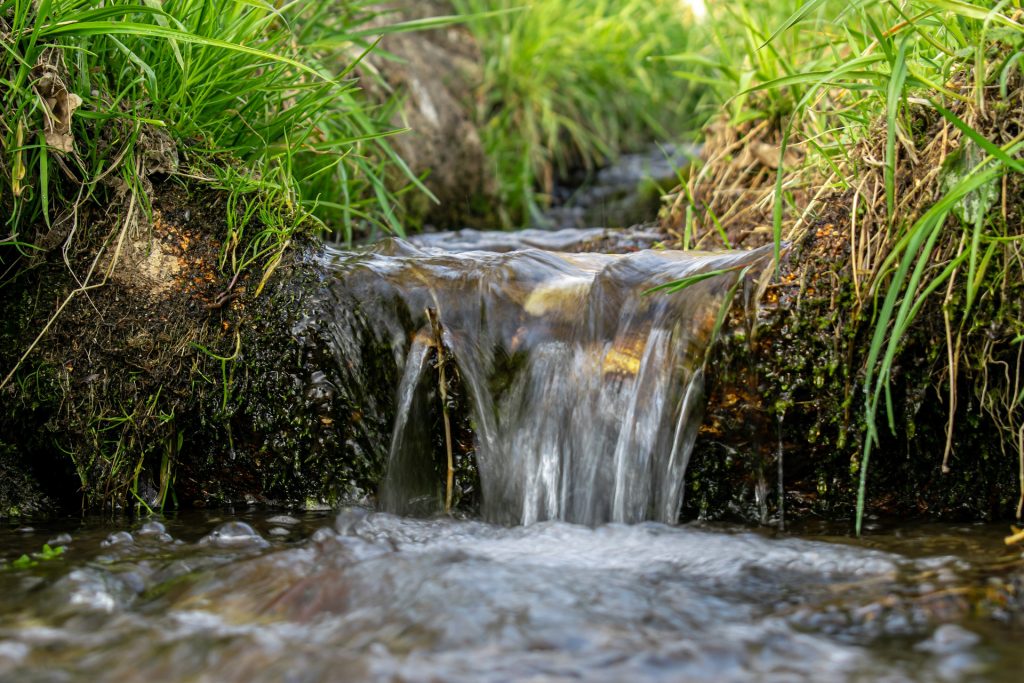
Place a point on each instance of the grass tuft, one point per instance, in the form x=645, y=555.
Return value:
x=88, y=87
x=250, y=102
x=908, y=114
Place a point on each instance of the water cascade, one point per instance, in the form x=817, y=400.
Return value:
x=585, y=389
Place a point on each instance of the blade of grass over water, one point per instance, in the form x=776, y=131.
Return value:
x=683, y=283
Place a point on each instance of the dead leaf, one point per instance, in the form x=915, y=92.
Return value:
x=59, y=104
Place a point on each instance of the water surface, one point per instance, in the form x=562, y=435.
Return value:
x=374, y=597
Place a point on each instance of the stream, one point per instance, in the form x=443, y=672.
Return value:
x=368, y=596
x=577, y=393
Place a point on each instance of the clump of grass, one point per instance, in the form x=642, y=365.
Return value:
x=570, y=83
x=95, y=94
x=910, y=115
x=755, y=77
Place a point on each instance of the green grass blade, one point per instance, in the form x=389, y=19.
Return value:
x=44, y=178
x=794, y=19
x=90, y=28
x=894, y=98
x=688, y=281
x=777, y=208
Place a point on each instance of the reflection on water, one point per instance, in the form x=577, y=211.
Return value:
x=371, y=596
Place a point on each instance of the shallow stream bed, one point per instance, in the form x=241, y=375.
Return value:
x=360, y=596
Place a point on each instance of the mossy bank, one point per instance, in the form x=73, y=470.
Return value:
x=174, y=384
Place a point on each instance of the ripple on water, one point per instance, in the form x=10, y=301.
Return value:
x=380, y=597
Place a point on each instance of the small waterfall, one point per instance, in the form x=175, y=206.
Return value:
x=586, y=391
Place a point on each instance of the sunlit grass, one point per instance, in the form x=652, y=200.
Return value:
x=241, y=83
x=570, y=83
x=855, y=86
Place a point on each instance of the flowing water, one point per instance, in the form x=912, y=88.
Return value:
x=585, y=388
x=582, y=394
x=366, y=596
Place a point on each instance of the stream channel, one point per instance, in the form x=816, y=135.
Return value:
x=583, y=395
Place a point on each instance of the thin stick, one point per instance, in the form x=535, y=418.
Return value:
x=435, y=326
x=953, y=358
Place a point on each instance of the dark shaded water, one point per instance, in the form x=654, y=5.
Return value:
x=361, y=596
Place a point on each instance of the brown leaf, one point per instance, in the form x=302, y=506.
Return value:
x=59, y=105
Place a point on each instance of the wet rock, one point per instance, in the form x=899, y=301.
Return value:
x=19, y=492
x=625, y=193
x=59, y=539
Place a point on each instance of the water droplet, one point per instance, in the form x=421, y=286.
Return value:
x=152, y=528
x=233, y=534
x=117, y=538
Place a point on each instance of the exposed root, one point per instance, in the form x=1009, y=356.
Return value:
x=84, y=285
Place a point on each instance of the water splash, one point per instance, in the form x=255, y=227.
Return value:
x=586, y=392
